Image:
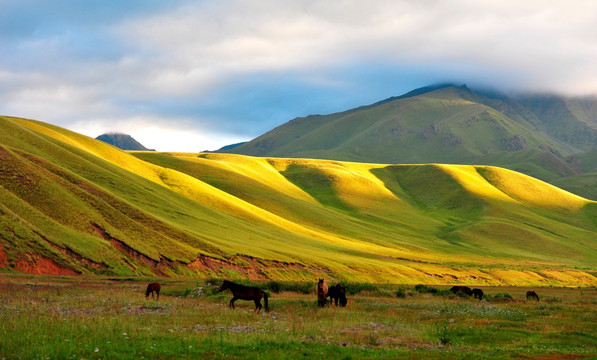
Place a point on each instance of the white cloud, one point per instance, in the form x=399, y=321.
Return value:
x=202, y=42
x=162, y=134
x=168, y=62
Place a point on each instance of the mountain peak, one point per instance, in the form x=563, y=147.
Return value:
x=425, y=90
x=122, y=141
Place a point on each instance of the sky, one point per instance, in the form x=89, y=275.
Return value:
x=197, y=75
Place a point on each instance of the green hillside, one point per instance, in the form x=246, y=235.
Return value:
x=70, y=204
x=448, y=124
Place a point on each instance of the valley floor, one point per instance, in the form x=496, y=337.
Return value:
x=45, y=317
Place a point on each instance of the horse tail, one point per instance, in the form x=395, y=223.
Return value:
x=265, y=301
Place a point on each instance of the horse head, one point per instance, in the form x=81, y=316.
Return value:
x=225, y=285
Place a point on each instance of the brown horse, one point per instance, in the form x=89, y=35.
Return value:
x=245, y=293
x=322, y=291
x=151, y=288
x=337, y=293
x=532, y=295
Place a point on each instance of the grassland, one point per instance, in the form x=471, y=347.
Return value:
x=72, y=205
x=450, y=124
x=45, y=317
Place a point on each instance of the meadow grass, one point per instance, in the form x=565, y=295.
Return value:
x=95, y=318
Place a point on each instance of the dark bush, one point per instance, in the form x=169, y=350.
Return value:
x=400, y=293
x=424, y=289
x=356, y=288
x=501, y=295
x=273, y=286
x=297, y=287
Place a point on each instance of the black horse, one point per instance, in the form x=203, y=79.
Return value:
x=463, y=289
x=151, y=288
x=337, y=293
x=478, y=294
x=245, y=293
x=532, y=295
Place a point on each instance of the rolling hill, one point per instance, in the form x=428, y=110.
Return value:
x=532, y=134
x=70, y=204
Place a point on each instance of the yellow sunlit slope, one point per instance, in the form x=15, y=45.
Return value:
x=353, y=220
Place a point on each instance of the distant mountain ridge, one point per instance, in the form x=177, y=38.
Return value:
x=544, y=136
x=231, y=146
x=122, y=141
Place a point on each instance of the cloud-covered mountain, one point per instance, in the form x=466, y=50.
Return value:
x=544, y=136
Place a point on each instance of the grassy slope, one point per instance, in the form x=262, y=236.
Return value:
x=445, y=125
x=359, y=221
x=433, y=214
x=448, y=125
x=568, y=120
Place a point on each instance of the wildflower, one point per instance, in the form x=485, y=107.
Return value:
x=96, y=350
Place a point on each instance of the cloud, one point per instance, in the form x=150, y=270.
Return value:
x=160, y=133
x=237, y=68
x=206, y=42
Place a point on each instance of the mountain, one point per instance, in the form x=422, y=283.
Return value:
x=231, y=146
x=122, y=141
x=70, y=204
x=533, y=134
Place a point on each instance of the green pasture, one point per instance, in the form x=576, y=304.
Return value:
x=43, y=317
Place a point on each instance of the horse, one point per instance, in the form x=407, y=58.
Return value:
x=337, y=292
x=532, y=295
x=322, y=291
x=478, y=294
x=151, y=288
x=245, y=293
x=463, y=289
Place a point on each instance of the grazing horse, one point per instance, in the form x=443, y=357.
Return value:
x=463, y=289
x=322, y=291
x=337, y=292
x=151, y=288
x=532, y=295
x=478, y=294
x=245, y=293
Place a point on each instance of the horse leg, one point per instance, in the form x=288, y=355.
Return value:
x=158, y=297
x=232, y=302
x=257, y=305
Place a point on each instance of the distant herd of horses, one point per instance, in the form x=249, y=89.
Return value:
x=478, y=293
x=336, y=293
